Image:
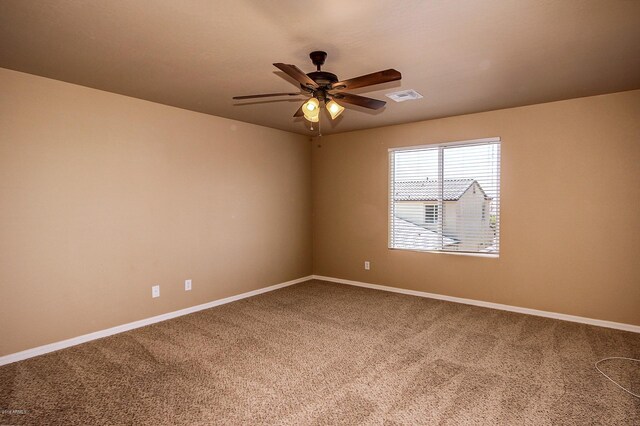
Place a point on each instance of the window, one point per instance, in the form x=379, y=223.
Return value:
x=446, y=197
x=431, y=213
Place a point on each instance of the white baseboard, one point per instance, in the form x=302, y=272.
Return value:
x=546, y=314
x=40, y=350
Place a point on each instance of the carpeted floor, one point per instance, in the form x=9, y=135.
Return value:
x=323, y=353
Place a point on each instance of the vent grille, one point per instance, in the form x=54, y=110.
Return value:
x=404, y=95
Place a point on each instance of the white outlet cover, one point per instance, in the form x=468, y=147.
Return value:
x=187, y=285
x=367, y=265
x=155, y=291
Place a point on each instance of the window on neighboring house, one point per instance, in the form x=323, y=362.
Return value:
x=440, y=196
x=430, y=213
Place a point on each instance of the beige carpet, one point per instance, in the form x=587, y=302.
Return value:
x=322, y=353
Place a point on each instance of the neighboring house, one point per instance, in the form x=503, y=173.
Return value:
x=412, y=236
x=466, y=222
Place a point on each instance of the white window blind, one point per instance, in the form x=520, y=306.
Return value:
x=446, y=197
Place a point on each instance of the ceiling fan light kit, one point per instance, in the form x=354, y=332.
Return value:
x=325, y=87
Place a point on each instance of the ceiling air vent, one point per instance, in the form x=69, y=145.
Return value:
x=404, y=95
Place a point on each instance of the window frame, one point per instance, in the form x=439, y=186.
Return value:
x=391, y=191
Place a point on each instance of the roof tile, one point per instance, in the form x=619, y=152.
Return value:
x=428, y=190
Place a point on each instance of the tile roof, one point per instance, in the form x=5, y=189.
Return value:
x=428, y=190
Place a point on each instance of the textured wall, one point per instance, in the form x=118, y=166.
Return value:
x=570, y=191
x=102, y=196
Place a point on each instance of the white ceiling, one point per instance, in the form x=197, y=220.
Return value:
x=463, y=55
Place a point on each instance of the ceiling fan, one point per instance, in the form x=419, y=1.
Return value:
x=325, y=87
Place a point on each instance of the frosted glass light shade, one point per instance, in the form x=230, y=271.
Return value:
x=334, y=109
x=311, y=105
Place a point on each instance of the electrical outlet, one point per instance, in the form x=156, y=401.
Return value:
x=155, y=291
x=187, y=285
x=367, y=265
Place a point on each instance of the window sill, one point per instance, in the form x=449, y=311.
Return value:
x=455, y=253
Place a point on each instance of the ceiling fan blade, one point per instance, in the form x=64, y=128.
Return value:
x=368, y=80
x=299, y=112
x=297, y=74
x=359, y=100
x=266, y=95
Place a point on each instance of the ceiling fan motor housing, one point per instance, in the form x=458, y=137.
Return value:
x=324, y=79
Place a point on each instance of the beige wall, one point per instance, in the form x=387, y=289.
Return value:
x=102, y=196
x=570, y=229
